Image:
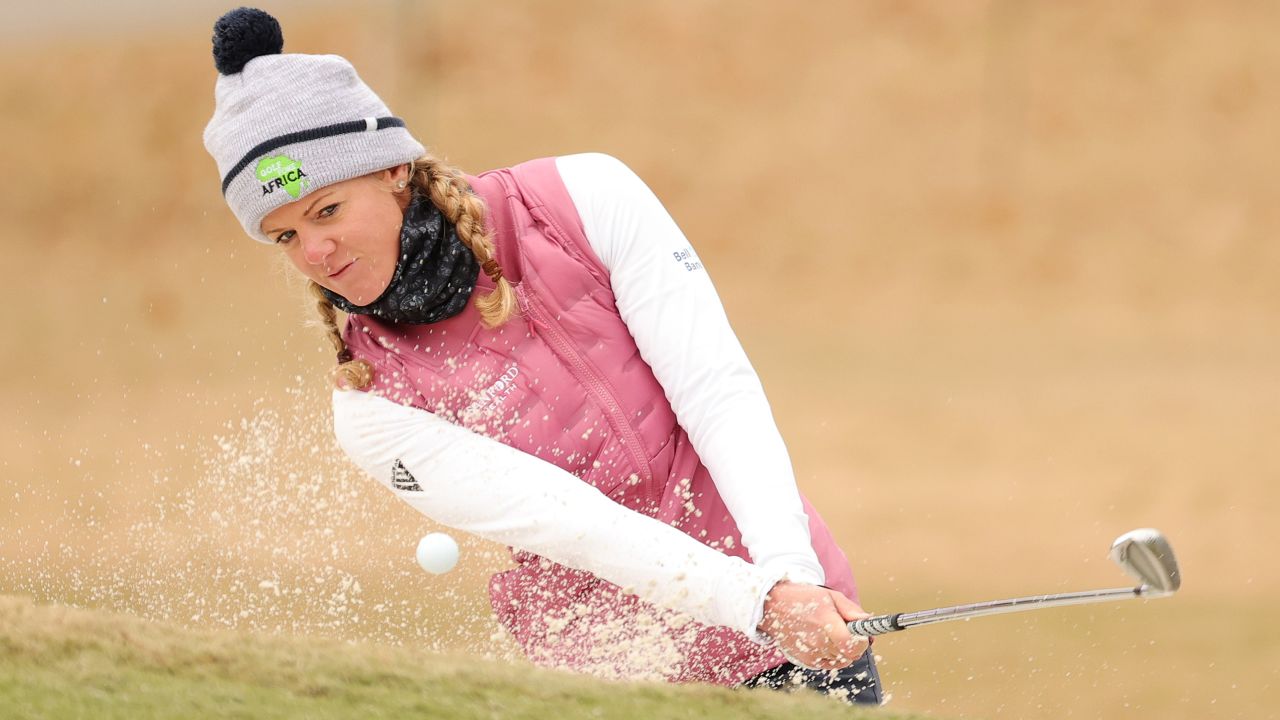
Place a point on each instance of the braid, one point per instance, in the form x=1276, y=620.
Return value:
x=451, y=192
x=357, y=374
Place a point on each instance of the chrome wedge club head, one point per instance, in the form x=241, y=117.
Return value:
x=1146, y=555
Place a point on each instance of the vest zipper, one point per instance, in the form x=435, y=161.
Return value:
x=532, y=308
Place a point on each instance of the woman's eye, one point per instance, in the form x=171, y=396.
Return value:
x=328, y=210
x=284, y=237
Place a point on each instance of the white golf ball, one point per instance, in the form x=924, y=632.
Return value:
x=437, y=553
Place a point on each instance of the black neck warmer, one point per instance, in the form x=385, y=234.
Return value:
x=434, y=274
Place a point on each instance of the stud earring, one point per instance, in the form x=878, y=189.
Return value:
x=401, y=184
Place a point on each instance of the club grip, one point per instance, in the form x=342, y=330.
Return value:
x=878, y=625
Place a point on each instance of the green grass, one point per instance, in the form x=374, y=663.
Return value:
x=57, y=662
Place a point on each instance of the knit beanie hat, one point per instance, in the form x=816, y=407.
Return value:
x=285, y=126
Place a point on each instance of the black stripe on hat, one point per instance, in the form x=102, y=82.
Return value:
x=303, y=136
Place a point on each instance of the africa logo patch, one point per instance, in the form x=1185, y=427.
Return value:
x=282, y=171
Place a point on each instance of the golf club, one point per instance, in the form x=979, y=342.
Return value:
x=1145, y=554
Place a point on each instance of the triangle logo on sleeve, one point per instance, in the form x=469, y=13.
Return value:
x=402, y=479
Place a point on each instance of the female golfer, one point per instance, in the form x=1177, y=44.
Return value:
x=536, y=355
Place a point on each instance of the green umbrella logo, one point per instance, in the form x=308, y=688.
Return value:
x=282, y=171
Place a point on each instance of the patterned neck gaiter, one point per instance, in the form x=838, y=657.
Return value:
x=434, y=274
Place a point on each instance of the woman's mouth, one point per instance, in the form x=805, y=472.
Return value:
x=342, y=270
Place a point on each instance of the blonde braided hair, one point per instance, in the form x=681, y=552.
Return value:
x=448, y=190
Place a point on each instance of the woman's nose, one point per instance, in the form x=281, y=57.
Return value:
x=317, y=247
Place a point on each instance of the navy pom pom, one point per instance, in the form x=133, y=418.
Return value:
x=242, y=35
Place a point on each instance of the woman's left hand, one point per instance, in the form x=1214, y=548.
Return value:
x=808, y=622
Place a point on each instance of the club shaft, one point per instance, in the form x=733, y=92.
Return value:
x=881, y=624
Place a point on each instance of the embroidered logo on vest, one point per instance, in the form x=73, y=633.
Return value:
x=491, y=397
x=282, y=171
x=402, y=479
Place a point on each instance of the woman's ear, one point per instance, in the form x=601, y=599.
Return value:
x=396, y=180
x=393, y=178
x=397, y=177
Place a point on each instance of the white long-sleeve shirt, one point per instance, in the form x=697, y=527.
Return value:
x=478, y=485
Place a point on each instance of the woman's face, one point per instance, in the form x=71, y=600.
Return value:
x=345, y=236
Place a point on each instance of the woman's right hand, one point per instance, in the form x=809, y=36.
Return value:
x=808, y=623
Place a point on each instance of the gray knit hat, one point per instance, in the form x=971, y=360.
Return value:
x=285, y=126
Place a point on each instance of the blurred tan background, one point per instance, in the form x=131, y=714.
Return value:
x=1008, y=271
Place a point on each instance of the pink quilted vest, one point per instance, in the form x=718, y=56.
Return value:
x=564, y=381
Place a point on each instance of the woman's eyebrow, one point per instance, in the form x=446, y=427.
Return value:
x=319, y=197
